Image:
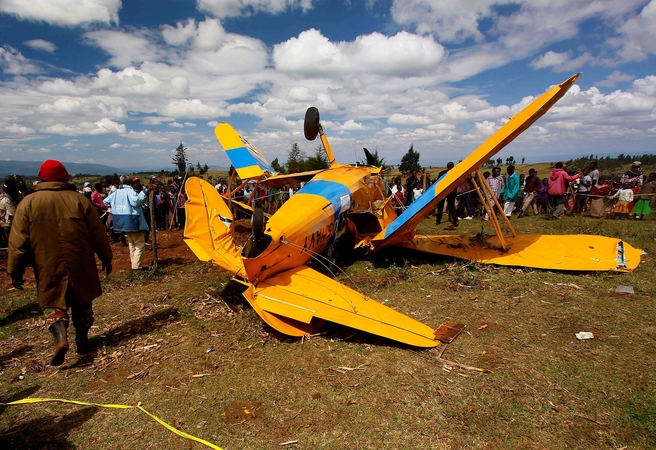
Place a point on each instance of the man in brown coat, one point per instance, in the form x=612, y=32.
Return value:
x=58, y=230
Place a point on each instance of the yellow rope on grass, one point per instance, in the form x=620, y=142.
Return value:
x=30, y=400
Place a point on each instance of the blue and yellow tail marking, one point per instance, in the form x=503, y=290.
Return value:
x=244, y=156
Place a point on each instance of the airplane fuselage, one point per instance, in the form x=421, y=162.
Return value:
x=313, y=217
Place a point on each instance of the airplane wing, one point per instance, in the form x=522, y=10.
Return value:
x=245, y=157
x=554, y=252
x=295, y=299
x=208, y=227
x=403, y=227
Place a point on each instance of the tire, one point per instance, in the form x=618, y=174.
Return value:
x=258, y=222
x=311, y=124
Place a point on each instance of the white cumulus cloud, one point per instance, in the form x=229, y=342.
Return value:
x=63, y=12
x=234, y=8
x=403, y=54
x=40, y=44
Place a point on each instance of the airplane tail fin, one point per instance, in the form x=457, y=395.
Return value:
x=245, y=157
x=208, y=227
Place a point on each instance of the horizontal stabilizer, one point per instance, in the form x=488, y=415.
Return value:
x=244, y=156
x=304, y=295
x=552, y=252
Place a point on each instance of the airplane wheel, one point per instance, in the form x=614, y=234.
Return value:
x=311, y=125
x=258, y=223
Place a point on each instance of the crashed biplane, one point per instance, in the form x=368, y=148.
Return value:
x=295, y=299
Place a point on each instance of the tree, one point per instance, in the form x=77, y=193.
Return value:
x=410, y=161
x=523, y=159
x=499, y=161
x=318, y=161
x=277, y=167
x=511, y=160
x=205, y=168
x=180, y=159
x=190, y=169
x=295, y=159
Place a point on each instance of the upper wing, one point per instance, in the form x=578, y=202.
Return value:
x=403, y=228
x=296, y=297
x=245, y=157
x=208, y=226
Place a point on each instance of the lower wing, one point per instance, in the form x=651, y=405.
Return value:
x=575, y=252
x=297, y=301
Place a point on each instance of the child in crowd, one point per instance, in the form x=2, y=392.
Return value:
x=598, y=192
x=624, y=198
x=644, y=196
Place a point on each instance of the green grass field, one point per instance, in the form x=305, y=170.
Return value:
x=184, y=345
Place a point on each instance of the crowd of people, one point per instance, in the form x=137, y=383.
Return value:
x=633, y=195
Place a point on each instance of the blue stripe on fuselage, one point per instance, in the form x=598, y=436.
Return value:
x=332, y=191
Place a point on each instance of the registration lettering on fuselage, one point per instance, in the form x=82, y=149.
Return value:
x=319, y=237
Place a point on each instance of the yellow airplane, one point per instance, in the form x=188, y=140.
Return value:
x=295, y=299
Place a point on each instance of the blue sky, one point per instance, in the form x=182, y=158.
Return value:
x=123, y=82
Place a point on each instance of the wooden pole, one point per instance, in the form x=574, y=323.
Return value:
x=153, y=226
x=496, y=202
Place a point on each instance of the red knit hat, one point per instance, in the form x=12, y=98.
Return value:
x=53, y=170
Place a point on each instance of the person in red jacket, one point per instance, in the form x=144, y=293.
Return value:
x=556, y=190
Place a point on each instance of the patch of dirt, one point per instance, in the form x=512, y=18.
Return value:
x=240, y=411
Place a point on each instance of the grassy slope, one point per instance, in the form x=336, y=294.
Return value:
x=546, y=389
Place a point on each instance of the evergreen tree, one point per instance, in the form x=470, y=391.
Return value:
x=410, y=161
x=180, y=159
x=295, y=159
x=277, y=167
x=318, y=161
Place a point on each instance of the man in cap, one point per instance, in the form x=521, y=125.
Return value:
x=59, y=230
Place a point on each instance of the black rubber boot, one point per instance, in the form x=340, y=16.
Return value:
x=82, y=341
x=58, y=330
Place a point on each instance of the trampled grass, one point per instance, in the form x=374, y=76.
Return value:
x=188, y=348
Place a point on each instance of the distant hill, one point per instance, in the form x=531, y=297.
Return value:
x=31, y=168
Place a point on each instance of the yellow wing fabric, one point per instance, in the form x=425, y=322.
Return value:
x=303, y=294
x=552, y=252
x=403, y=227
x=207, y=228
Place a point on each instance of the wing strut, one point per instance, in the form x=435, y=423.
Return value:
x=489, y=200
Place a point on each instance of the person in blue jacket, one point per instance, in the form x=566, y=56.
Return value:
x=510, y=191
x=126, y=203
